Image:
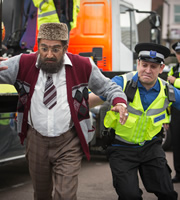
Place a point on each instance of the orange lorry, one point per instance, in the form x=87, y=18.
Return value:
x=107, y=31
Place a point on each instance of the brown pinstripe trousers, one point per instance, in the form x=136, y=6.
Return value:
x=54, y=164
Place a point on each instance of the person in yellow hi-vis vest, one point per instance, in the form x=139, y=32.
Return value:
x=76, y=8
x=137, y=144
x=46, y=11
x=67, y=11
x=174, y=79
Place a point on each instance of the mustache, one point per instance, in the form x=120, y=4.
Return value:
x=50, y=59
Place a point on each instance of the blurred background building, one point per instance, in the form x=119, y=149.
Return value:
x=169, y=30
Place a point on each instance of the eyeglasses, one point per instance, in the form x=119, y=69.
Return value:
x=53, y=50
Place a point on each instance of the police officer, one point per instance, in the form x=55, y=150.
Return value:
x=137, y=143
x=174, y=79
x=46, y=12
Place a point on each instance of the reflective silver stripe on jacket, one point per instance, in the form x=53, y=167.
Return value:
x=157, y=111
x=129, y=75
x=47, y=14
x=40, y=6
x=151, y=111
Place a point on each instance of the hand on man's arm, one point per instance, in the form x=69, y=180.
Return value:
x=4, y=67
x=95, y=100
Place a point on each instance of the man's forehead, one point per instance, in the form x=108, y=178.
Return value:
x=149, y=63
x=50, y=42
x=50, y=46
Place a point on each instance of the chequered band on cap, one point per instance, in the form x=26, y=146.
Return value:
x=177, y=47
x=152, y=52
x=149, y=53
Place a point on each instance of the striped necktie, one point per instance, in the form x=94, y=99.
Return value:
x=50, y=94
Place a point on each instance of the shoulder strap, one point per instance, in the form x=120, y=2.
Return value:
x=130, y=89
x=169, y=90
x=175, y=71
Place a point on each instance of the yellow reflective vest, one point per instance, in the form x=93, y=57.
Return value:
x=141, y=125
x=177, y=81
x=46, y=12
x=76, y=8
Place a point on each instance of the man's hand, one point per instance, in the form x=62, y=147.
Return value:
x=4, y=67
x=123, y=112
x=171, y=79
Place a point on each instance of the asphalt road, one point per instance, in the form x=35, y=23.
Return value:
x=95, y=181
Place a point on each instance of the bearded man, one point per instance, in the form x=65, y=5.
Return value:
x=53, y=110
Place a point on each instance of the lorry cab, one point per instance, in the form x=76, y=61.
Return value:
x=106, y=31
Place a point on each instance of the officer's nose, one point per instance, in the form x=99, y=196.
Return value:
x=148, y=69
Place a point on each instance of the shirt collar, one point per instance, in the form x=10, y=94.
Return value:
x=67, y=61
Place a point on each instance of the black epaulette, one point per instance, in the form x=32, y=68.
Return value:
x=169, y=91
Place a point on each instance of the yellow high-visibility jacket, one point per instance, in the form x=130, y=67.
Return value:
x=171, y=73
x=141, y=125
x=46, y=12
x=76, y=8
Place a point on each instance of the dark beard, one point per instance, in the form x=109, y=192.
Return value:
x=50, y=68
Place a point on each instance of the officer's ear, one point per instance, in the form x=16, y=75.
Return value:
x=161, y=68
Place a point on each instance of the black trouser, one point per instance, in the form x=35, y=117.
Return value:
x=150, y=161
x=175, y=132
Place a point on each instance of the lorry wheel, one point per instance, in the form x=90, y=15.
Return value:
x=166, y=143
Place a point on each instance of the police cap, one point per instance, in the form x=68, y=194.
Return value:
x=151, y=52
x=176, y=47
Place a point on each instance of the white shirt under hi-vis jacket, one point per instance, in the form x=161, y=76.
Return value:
x=141, y=125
